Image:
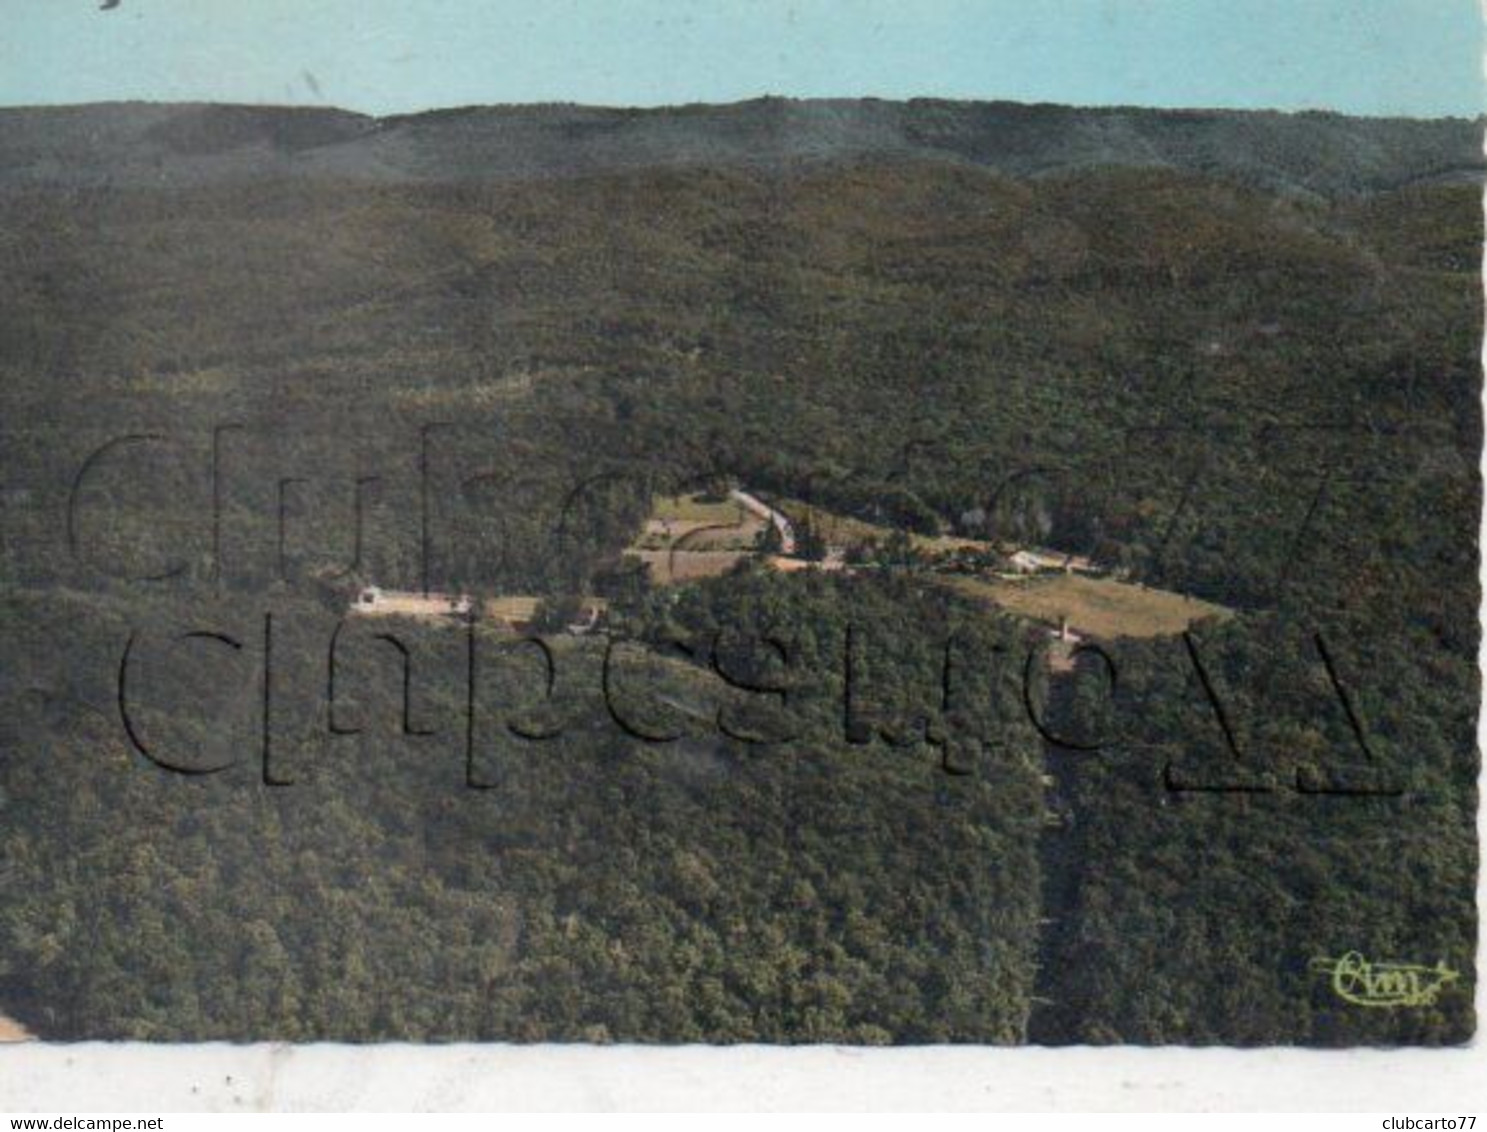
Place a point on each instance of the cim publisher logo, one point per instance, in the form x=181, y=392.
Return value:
x=1386, y=985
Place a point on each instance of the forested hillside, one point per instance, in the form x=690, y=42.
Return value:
x=1235, y=356
x=156, y=145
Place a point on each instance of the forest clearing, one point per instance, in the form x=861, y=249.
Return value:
x=690, y=537
x=1093, y=606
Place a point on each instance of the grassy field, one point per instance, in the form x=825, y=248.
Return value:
x=687, y=565
x=1095, y=607
x=700, y=526
x=693, y=509
x=512, y=607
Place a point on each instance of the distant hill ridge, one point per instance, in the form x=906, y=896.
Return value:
x=145, y=144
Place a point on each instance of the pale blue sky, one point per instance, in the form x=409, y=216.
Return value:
x=1413, y=57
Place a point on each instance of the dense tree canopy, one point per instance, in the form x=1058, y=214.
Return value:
x=254, y=397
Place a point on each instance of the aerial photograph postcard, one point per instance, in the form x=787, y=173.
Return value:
x=863, y=522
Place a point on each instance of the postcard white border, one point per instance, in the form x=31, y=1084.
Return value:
x=136, y=1078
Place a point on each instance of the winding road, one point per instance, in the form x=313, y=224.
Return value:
x=756, y=506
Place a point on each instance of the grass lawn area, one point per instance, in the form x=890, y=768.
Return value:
x=692, y=509
x=1095, y=607
x=687, y=566
x=697, y=525
x=512, y=607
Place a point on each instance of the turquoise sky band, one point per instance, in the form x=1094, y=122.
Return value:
x=1417, y=58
